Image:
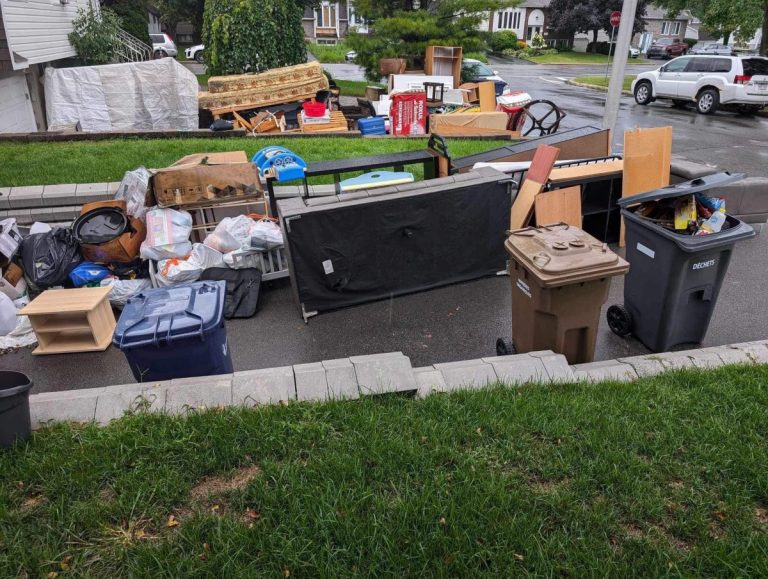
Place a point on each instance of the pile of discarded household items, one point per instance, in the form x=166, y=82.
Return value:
x=415, y=102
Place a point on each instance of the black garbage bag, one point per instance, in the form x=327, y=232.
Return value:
x=49, y=257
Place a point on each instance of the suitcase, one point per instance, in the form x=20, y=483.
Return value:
x=371, y=126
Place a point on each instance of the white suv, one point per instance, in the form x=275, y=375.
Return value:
x=712, y=82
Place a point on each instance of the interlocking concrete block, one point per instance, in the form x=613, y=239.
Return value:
x=556, y=365
x=43, y=214
x=114, y=401
x=518, y=369
x=64, y=213
x=382, y=373
x=757, y=351
x=323, y=200
x=267, y=386
x=199, y=392
x=606, y=370
x=284, y=191
x=5, y=194
x=74, y=405
x=729, y=355
x=90, y=192
x=25, y=197
x=112, y=188
x=55, y=195
x=310, y=381
x=321, y=190
x=704, y=359
x=341, y=378
x=429, y=381
x=467, y=374
x=644, y=365
x=22, y=216
x=673, y=360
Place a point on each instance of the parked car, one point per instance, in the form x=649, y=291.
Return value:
x=162, y=45
x=667, y=48
x=711, y=82
x=476, y=71
x=634, y=52
x=350, y=56
x=195, y=52
x=712, y=48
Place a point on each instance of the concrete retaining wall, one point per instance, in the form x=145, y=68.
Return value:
x=351, y=378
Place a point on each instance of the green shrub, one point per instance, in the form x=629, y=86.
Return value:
x=329, y=53
x=93, y=36
x=481, y=56
x=252, y=35
x=691, y=42
x=503, y=40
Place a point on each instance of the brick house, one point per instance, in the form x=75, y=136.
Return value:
x=658, y=25
x=529, y=18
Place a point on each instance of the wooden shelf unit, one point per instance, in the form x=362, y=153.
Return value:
x=71, y=320
x=444, y=61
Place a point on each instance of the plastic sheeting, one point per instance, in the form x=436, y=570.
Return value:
x=157, y=94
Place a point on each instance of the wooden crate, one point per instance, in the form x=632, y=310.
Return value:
x=338, y=123
x=71, y=320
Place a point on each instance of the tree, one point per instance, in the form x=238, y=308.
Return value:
x=572, y=16
x=93, y=35
x=174, y=11
x=252, y=35
x=725, y=17
x=404, y=28
x=134, y=18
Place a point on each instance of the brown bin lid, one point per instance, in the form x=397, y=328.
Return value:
x=562, y=254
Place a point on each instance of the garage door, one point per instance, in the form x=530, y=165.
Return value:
x=16, y=115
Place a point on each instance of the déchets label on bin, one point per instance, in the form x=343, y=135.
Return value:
x=646, y=250
x=704, y=264
x=524, y=287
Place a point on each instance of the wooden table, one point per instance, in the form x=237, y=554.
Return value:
x=71, y=320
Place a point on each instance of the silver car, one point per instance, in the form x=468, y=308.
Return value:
x=162, y=45
x=713, y=48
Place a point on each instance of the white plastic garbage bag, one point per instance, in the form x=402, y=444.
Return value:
x=22, y=335
x=266, y=235
x=232, y=230
x=133, y=190
x=7, y=315
x=174, y=271
x=168, y=234
x=124, y=289
x=221, y=239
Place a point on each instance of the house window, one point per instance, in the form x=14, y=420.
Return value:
x=326, y=15
x=670, y=28
x=508, y=20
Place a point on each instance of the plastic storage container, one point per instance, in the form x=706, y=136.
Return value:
x=560, y=279
x=674, y=280
x=15, y=422
x=371, y=126
x=175, y=332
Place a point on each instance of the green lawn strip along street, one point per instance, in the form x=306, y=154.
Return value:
x=602, y=81
x=663, y=476
x=329, y=53
x=579, y=58
x=355, y=88
x=49, y=163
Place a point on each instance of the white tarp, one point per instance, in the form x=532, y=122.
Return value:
x=157, y=94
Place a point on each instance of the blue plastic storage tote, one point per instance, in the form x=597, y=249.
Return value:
x=175, y=332
x=371, y=126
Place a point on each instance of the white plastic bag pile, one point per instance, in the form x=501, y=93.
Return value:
x=189, y=269
x=133, y=190
x=168, y=234
x=241, y=239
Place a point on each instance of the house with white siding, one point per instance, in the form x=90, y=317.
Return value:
x=33, y=33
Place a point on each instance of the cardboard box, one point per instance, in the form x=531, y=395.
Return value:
x=12, y=283
x=493, y=120
x=207, y=178
x=411, y=82
x=409, y=113
x=10, y=238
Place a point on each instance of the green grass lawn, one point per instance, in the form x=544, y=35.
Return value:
x=665, y=476
x=98, y=161
x=603, y=81
x=579, y=58
x=329, y=53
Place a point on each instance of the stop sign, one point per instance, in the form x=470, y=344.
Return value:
x=615, y=18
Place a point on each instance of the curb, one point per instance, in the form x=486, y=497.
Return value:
x=595, y=87
x=356, y=376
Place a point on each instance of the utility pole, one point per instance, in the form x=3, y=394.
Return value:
x=619, y=65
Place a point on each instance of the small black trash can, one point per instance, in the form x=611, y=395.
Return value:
x=674, y=278
x=15, y=422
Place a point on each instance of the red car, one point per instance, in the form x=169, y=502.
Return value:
x=667, y=48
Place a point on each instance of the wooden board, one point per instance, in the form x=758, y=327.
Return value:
x=66, y=300
x=541, y=166
x=586, y=171
x=487, y=92
x=559, y=206
x=647, y=159
x=338, y=123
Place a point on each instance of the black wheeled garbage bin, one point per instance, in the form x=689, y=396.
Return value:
x=15, y=423
x=674, y=278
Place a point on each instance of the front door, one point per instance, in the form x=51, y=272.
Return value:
x=532, y=31
x=669, y=76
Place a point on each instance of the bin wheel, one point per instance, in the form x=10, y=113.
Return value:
x=619, y=320
x=505, y=347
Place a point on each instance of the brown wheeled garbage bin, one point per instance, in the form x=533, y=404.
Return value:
x=560, y=278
